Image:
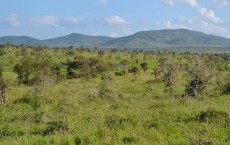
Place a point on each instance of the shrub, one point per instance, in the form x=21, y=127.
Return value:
x=115, y=121
x=6, y=131
x=226, y=89
x=121, y=73
x=210, y=115
x=55, y=126
x=128, y=140
x=77, y=141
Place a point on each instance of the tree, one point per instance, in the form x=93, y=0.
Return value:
x=36, y=71
x=156, y=72
x=169, y=70
x=3, y=91
x=25, y=71
x=144, y=66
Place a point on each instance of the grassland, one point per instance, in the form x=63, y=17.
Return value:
x=135, y=109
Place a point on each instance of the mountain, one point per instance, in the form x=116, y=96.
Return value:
x=76, y=39
x=168, y=38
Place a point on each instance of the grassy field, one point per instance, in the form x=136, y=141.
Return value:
x=109, y=109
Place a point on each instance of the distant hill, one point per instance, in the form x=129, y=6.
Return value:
x=76, y=39
x=20, y=40
x=168, y=38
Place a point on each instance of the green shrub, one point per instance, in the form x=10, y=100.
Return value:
x=210, y=115
x=77, y=140
x=115, y=121
x=128, y=140
x=120, y=73
x=227, y=88
x=6, y=131
x=55, y=126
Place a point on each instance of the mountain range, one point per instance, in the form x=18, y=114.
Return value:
x=145, y=39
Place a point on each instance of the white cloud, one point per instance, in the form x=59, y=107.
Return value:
x=210, y=15
x=168, y=24
x=126, y=31
x=73, y=22
x=192, y=3
x=13, y=21
x=185, y=20
x=213, y=28
x=114, y=20
x=50, y=21
x=113, y=34
x=221, y=3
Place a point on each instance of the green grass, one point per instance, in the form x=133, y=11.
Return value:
x=139, y=111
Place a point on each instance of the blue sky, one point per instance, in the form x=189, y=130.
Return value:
x=51, y=18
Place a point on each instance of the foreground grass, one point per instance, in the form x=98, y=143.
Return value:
x=149, y=117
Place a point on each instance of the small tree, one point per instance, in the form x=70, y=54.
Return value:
x=169, y=71
x=144, y=66
x=3, y=91
x=156, y=72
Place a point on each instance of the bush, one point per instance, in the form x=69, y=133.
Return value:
x=128, y=140
x=115, y=121
x=210, y=115
x=226, y=89
x=6, y=131
x=77, y=141
x=121, y=73
x=55, y=126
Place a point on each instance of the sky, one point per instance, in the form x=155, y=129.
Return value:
x=45, y=19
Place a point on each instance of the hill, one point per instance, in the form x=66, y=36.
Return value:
x=17, y=40
x=168, y=38
x=76, y=39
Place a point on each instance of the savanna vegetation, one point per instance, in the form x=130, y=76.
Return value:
x=86, y=96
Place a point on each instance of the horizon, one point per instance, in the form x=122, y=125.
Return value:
x=44, y=19
x=109, y=36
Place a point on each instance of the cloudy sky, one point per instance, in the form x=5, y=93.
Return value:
x=51, y=18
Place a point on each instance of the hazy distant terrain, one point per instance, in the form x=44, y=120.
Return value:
x=168, y=38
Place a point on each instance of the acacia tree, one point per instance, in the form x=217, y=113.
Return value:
x=24, y=71
x=169, y=71
x=36, y=71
